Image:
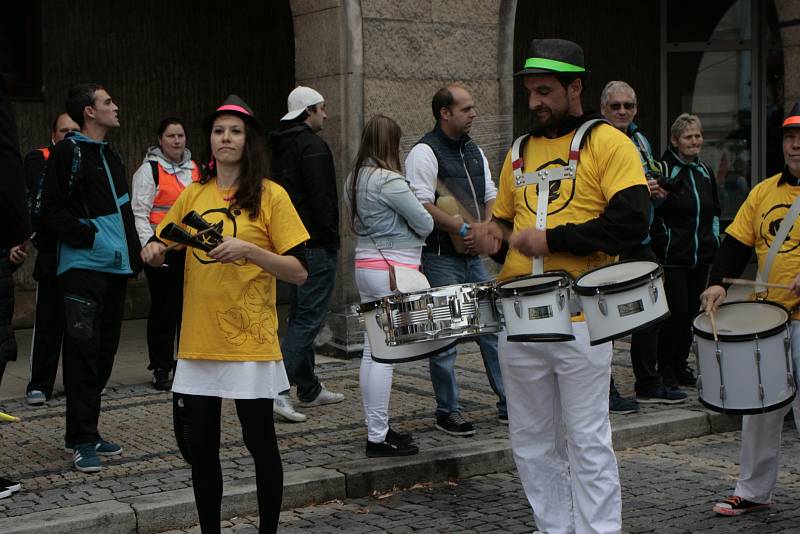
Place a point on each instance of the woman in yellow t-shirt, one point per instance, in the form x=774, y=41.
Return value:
x=228, y=345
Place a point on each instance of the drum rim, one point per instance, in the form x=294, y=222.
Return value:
x=643, y=326
x=502, y=292
x=588, y=291
x=747, y=411
x=365, y=307
x=553, y=337
x=417, y=357
x=744, y=337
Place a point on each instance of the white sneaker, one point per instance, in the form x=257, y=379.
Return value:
x=282, y=406
x=325, y=397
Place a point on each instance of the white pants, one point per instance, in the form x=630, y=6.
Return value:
x=375, y=379
x=561, y=434
x=761, y=442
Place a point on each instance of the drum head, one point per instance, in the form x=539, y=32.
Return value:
x=743, y=320
x=616, y=273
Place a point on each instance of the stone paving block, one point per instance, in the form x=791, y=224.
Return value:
x=108, y=517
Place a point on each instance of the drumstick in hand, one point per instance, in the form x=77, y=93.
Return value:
x=744, y=282
x=711, y=315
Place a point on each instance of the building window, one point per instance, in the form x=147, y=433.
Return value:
x=712, y=52
x=20, y=41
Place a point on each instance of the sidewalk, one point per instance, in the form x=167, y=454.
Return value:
x=148, y=488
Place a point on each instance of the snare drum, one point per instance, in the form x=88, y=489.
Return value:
x=749, y=370
x=536, y=308
x=457, y=311
x=622, y=298
x=375, y=317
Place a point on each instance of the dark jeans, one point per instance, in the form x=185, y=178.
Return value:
x=309, y=305
x=93, y=306
x=258, y=431
x=166, y=304
x=644, y=344
x=444, y=270
x=683, y=286
x=48, y=332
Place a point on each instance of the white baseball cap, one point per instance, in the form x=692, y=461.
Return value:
x=299, y=99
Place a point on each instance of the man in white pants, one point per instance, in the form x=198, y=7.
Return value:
x=765, y=208
x=558, y=392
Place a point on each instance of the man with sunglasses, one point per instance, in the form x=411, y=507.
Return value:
x=618, y=106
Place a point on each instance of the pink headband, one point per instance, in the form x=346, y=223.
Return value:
x=233, y=107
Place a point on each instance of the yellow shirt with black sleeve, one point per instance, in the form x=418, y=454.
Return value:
x=609, y=163
x=229, y=309
x=756, y=224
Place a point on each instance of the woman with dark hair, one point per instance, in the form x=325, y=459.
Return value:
x=229, y=344
x=166, y=171
x=391, y=226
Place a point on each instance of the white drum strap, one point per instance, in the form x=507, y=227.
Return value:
x=783, y=231
x=543, y=177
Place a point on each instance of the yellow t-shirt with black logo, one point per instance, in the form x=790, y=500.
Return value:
x=756, y=224
x=229, y=309
x=608, y=164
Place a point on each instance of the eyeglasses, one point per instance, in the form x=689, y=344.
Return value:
x=627, y=105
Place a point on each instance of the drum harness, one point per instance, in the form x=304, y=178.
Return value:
x=762, y=276
x=542, y=179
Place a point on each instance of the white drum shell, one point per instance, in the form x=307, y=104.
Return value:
x=739, y=370
x=545, y=316
x=627, y=311
x=383, y=353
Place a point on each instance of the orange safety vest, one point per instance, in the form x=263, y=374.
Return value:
x=168, y=189
x=45, y=152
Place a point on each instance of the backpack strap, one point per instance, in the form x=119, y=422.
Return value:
x=154, y=169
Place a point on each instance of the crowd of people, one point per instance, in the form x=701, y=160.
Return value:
x=267, y=207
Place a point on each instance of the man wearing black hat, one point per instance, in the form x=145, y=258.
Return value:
x=771, y=204
x=596, y=207
x=88, y=210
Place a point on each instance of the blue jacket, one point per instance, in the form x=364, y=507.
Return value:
x=388, y=215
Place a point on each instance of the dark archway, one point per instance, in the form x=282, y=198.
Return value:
x=620, y=42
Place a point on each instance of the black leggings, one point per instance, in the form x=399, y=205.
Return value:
x=258, y=431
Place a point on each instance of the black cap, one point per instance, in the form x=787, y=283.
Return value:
x=558, y=57
x=792, y=120
x=233, y=105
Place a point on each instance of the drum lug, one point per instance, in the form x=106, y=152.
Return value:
x=455, y=307
x=718, y=353
x=700, y=385
x=518, y=307
x=653, y=291
x=601, y=303
x=561, y=300
x=790, y=381
x=758, y=368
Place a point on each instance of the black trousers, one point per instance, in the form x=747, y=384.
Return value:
x=93, y=306
x=166, y=304
x=683, y=286
x=258, y=431
x=48, y=332
x=644, y=344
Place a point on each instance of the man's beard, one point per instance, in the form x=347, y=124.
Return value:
x=554, y=119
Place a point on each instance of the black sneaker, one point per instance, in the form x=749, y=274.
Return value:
x=454, y=424
x=398, y=438
x=686, y=377
x=661, y=395
x=619, y=404
x=10, y=485
x=385, y=449
x=161, y=380
x=738, y=506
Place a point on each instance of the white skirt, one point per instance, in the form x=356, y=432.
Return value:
x=230, y=379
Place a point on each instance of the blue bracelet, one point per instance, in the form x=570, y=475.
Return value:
x=464, y=229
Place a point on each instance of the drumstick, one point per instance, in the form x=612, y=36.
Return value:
x=711, y=315
x=8, y=418
x=176, y=245
x=744, y=282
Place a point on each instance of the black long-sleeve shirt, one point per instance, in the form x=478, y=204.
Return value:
x=13, y=204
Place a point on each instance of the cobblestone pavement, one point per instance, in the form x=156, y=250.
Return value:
x=666, y=489
x=140, y=419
